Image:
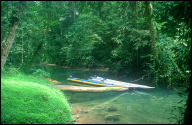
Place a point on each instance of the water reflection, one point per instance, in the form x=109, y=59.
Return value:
x=137, y=106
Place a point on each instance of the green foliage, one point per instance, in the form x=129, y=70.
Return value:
x=130, y=43
x=12, y=70
x=112, y=34
x=170, y=70
x=177, y=111
x=41, y=73
x=25, y=101
x=82, y=44
x=173, y=44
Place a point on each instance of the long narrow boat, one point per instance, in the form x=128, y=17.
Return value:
x=107, y=82
x=90, y=82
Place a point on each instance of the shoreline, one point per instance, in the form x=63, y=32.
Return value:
x=74, y=68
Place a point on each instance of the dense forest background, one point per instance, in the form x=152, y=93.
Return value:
x=134, y=38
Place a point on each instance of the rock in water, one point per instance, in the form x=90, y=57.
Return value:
x=115, y=117
x=112, y=109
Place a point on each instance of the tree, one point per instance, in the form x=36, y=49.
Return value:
x=9, y=38
x=153, y=32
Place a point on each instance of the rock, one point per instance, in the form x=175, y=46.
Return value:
x=115, y=117
x=80, y=111
x=76, y=117
x=74, y=120
x=112, y=108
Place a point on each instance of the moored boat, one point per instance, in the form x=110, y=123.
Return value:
x=99, y=81
x=90, y=82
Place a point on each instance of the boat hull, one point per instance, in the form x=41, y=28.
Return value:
x=90, y=82
x=108, y=82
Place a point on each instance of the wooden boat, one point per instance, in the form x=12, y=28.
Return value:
x=90, y=82
x=107, y=82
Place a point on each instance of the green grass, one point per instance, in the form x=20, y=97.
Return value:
x=28, y=100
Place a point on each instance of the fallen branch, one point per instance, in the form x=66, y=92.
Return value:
x=51, y=80
x=138, y=79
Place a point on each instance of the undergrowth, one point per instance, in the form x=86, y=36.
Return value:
x=28, y=100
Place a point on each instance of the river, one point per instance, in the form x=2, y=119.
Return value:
x=135, y=106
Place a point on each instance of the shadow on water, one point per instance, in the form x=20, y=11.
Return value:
x=135, y=106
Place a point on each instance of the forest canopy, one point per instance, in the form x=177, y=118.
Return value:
x=135, y=38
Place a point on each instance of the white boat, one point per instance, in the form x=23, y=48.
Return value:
x=118, y=83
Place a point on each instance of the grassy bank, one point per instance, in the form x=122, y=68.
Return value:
x=28, y=100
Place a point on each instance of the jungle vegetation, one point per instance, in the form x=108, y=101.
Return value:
x=150, y=39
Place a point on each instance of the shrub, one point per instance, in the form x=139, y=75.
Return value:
x=41, y=73
x=24, y=102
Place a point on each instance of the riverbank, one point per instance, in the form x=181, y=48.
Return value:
x=29, y=100
x=74, y=68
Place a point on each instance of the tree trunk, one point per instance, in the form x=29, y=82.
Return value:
x=22, y=49
x=136, y=9
x=8, y=41
x=7, y=44
x=153, y=34
x=153, y=31
x=99, y=6
x=74, y=11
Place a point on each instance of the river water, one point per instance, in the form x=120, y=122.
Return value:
x=135, y=106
